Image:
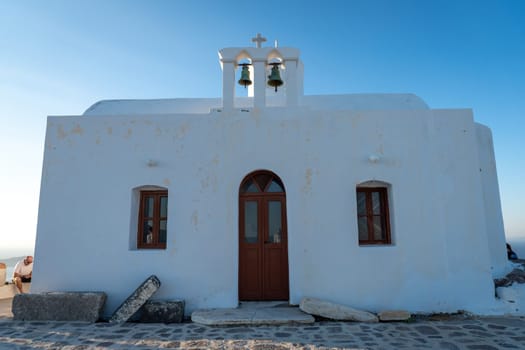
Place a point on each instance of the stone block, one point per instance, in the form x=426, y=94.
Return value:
x=59, y=306
x=162, y=311
x=251, y=316
x=394, y=315
x=334, y=311
x=516, y=275
x=135, y=301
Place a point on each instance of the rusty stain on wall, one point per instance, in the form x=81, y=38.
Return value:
x=61, y=134
x=355, y=120
x=182, y=130
x=77, y=130
x=129, y=133
x=209, y=180
x=97, y=141
x=205, y=182
x=195, y=219
x=109, y=130
x=308, y=180
x=215, y=159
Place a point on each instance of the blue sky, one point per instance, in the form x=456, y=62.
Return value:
x=59, y=57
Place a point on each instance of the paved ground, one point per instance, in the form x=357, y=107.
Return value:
x=5, y=308
x=455, y=333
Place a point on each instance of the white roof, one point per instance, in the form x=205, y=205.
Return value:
x=204, y=105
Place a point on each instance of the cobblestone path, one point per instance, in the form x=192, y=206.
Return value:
x=473, y=334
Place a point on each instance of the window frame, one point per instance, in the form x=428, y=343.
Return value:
x=384, y=215
x=156, y=218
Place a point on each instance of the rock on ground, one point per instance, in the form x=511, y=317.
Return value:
x=334, y=311
x=394, y=315
x=136, y=300
x=517, y=275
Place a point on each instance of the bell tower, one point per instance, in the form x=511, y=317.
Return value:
x=277, y=74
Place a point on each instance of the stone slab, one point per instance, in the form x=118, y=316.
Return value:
x=59, y=306
x=335, y=311
x=256, y=316
x=394, y=315
x=135, y=301
x=162, y=311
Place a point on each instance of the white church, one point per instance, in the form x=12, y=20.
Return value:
x=374, y=201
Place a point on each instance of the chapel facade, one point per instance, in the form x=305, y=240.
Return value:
x=375, y=201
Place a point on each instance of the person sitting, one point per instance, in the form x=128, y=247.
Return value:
x=510, y=253
x=23, y=272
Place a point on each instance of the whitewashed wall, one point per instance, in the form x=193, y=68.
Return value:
x=439, y=259
x=492, y=202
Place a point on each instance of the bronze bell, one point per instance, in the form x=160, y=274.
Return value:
x=245, y=75
x=274, y=79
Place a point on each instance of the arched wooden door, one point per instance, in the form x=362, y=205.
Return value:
x=263, y=239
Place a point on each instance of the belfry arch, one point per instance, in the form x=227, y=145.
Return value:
x=261, y=58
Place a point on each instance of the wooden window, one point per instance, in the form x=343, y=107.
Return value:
x=153, y=220
x=372, y=215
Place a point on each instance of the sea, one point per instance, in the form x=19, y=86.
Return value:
x=9, y=273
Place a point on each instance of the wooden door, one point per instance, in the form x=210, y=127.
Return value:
x=263, y=248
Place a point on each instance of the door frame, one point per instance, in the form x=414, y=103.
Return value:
x=264, y=244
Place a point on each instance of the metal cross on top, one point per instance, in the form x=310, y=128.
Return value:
x=258, y=40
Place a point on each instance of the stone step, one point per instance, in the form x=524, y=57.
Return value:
x=251, y=316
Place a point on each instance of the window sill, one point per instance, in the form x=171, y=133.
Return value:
x=376, y=245
x=150, y=248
